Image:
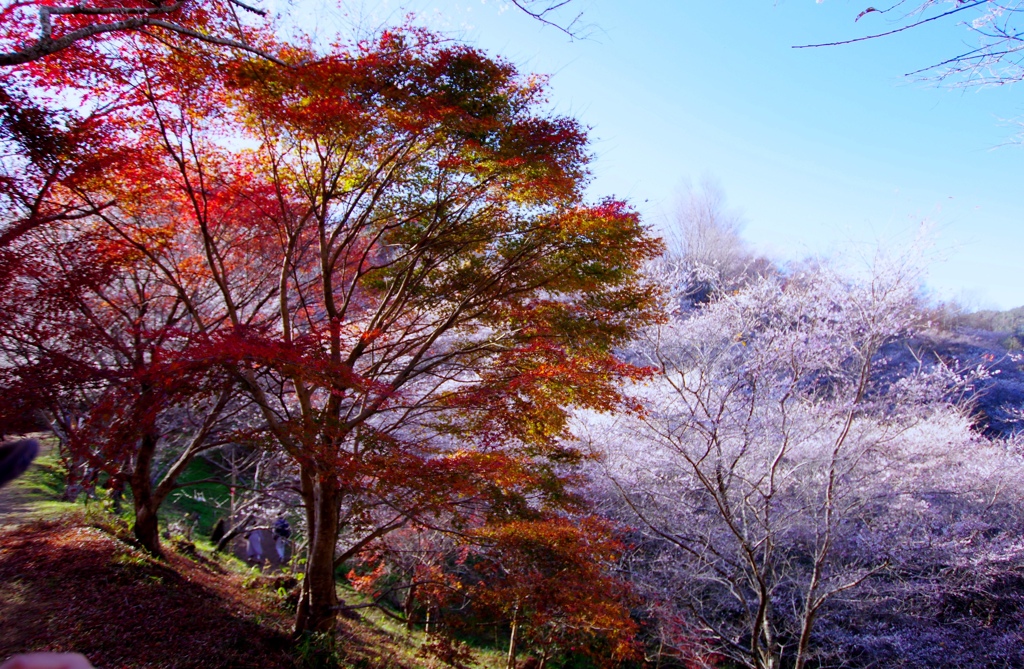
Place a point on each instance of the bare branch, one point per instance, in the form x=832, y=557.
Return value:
x=896, y=30
x=139, y=18
x=571, y=28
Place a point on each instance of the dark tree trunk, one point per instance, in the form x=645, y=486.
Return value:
x=148, y=497
x=147, y=529
x=147, y=526
x=234, y=531
x=317, y=611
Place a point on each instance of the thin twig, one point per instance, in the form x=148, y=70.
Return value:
x=893, y=32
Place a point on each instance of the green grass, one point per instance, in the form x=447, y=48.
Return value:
x=404, y=644
x=182, y=502
x=37, y=493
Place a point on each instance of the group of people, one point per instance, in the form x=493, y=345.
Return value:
x=254, y=542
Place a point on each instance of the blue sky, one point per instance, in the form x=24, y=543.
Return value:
x=820, y=149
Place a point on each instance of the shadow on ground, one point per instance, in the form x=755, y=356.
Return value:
x=69, y=586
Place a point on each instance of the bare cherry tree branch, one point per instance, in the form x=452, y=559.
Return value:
x=994, y=58
x=895, y=30
x=572, y=28
x=137, y=18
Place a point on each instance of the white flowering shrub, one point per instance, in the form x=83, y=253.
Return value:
x=794, y=505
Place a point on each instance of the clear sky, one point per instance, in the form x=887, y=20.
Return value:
x=819, y=148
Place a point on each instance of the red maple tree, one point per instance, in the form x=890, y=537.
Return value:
x=386, y=250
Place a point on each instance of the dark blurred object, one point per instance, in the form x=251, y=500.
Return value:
x=282, y=528
x=15, y=457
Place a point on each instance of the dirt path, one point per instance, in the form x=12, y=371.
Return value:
x=25, y=499
x=14, y=505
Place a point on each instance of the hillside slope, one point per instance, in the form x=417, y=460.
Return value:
x=994, y=393
x=71, y=585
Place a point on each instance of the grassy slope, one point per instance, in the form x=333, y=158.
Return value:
x=73, y=584
x=71, y=580
x=190, y=499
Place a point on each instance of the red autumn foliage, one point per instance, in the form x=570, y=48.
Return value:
x=550, y=579
x=398, y=272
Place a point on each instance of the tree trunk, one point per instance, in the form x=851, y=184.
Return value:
x=222, y=543
x=147, y=526
x=510, y=662
x=409, y=606
x=805, y=641
x=147, y=529
x=317, y=611
x=309, y=503
x=147, y=497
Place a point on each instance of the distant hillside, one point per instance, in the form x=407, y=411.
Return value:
x=1011, y=321
x=997, y=396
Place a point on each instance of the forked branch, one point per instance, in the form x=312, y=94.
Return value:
x=135, y=19
x=572, y=28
